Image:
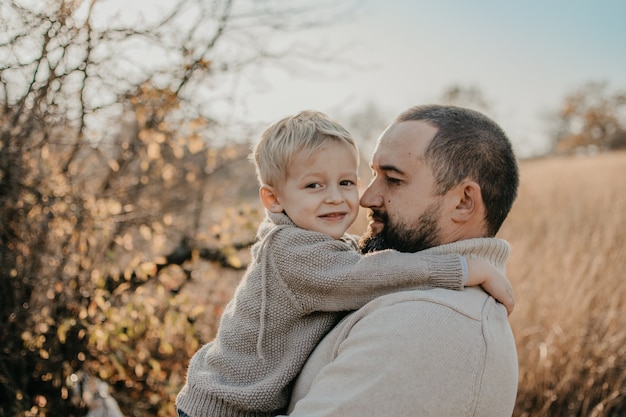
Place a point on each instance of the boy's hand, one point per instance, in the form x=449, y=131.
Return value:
x=481, y=272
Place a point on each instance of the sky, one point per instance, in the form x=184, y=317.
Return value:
x=524, y=56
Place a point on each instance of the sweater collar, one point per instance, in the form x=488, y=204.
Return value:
x=271, y=221
x=491, y=249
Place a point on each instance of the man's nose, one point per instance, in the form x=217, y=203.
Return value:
x=370, y=197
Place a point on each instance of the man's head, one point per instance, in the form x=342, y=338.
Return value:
x=441, y=174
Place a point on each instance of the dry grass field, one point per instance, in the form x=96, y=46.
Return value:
x=568, y=267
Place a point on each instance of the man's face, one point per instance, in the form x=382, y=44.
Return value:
x=404, y=212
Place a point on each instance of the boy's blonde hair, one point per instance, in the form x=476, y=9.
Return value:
x=279, y=144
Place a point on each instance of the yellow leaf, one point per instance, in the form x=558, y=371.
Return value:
x=234, y=261
x=196, y=311
x=154, y=150
x=195, y=144
x=114, y=165
x=166, y=348
x=156, y=366
x=62, y=331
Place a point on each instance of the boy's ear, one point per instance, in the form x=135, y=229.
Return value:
x=468, y=202
x=269, y=199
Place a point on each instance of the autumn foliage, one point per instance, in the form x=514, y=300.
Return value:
x=127, y=209
x=98, y=245
x=110, y=167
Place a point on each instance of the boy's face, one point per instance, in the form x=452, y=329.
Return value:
x=320, y=192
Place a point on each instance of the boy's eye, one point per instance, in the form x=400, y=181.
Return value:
x=346, y=183
x=313, y=185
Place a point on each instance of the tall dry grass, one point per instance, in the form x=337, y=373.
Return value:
x=568, y=267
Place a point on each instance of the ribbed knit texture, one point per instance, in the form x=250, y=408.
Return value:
x=298, y=285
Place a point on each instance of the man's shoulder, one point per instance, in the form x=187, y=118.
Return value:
x=469, y=302
x=413, y=331
x=422, y=311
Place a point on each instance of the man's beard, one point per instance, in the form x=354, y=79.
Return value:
x=402, y=237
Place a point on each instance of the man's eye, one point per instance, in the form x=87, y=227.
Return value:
x=392, y=180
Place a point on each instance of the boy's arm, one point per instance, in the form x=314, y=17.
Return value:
x=324, y=274
x=328, y=275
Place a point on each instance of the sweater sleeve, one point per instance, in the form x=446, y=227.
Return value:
x=323, y=274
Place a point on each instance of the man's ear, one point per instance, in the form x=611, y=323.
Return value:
x=469, y=202
x=269, y=199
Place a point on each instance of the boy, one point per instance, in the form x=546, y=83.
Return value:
x=305, y=273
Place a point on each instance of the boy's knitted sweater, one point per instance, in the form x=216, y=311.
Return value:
x=298, y=285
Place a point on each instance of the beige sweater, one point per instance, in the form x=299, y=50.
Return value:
x=298, y=285
x=435, y=353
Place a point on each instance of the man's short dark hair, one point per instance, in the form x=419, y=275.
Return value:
x=468, y=144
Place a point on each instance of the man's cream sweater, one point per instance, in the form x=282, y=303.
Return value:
x=435, y=353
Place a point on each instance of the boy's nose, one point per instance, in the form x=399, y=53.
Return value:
x=334, y=195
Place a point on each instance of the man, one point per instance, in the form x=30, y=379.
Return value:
x=444, y=180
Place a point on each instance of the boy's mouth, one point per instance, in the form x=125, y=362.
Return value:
x=332, y=216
